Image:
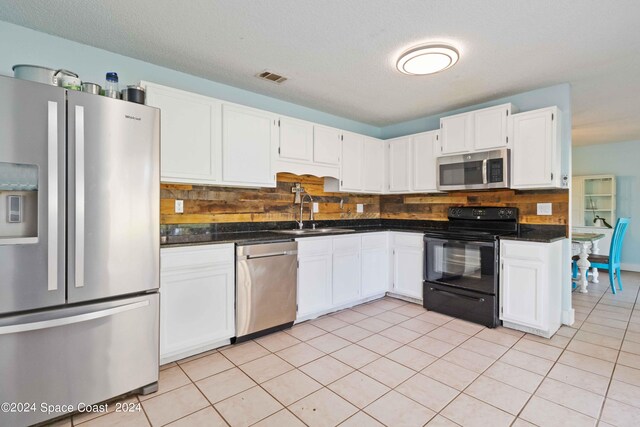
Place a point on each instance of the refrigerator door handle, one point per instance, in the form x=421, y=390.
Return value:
x=52, y=202
x=64, y=321
x=79, y=226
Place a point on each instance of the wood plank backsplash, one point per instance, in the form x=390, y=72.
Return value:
x=209, y=204
x=434, y=206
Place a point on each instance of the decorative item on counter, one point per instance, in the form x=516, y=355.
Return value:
x=133, y=93
x=91, y=88
x=111, y=89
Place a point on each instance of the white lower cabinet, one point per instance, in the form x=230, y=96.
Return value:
x=314, y=275
x=346, y=269
x=375, y=264
x=407, y=251
x=197, y=299
x=531, y=286
x=341, y=271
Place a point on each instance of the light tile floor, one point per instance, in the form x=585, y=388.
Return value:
x=392, y=363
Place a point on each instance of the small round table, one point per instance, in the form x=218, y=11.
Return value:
x=586, y=240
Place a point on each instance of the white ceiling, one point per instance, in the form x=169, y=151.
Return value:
x=339, y=55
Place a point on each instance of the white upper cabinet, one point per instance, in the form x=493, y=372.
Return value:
x=308, y=149
x=296, y=140
x=351, y=168
x=205, y=141
x=326, y=145
x=490, y=127
x=457, y=133
x=190, y=129
x=374, y=165
x=400, y=165
x=425, y=149
x=535, y=152
x=248, y=141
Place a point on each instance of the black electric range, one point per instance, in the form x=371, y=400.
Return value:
x=461, y=274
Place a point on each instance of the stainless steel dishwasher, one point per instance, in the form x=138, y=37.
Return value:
x=266, y=288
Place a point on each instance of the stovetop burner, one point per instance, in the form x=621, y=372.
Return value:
x=486, y=223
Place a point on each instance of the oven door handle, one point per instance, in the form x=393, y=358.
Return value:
x=456, y=295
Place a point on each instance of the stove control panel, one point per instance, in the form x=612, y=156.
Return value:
x=483, y=213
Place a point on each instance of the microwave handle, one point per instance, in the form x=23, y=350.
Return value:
x=484, y=171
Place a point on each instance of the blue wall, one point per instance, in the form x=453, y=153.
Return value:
x=21, y=45
x=619, y=159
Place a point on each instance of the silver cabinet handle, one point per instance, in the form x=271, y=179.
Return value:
x=52, y=202
x=63, y=321
x=79, y=228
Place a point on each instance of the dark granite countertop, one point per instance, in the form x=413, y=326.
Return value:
x=245, y=233
x=539, y=233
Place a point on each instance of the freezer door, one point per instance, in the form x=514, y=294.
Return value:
x=83, y=354
x=113, y=197
x=32, y=195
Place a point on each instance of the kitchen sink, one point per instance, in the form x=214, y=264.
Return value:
x=300, y=232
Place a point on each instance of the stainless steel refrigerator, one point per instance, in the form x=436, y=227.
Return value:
x=79, y=248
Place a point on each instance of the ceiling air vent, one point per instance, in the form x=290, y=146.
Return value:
x=272, y=77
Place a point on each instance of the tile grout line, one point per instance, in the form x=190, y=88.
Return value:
x=615, y=366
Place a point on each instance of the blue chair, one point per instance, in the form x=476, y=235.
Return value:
x=611, y=262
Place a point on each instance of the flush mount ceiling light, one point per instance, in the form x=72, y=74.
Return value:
x=427, y=59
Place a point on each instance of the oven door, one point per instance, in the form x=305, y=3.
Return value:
x=469, y=265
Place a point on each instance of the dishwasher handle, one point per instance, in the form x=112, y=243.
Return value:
x=267, y=255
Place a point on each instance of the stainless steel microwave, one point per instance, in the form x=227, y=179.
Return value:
x=474, y=171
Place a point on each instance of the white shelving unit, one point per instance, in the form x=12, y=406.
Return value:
x=594, y=196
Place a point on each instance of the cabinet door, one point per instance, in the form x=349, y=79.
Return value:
x=197, y=299
x=296, y=140
x=248, y=137
x=456, y=133
x=522, y=292
x=375, y=264
x=424, y=161
x=408, y=271
x=490, y=127
x=314, y=284
x=532, y=152
x=351, y=178
x=326, y=145
x=373, y=165
x=346, y=269
x=190, y=128
x=400, y=165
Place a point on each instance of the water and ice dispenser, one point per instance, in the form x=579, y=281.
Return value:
x=18, y=203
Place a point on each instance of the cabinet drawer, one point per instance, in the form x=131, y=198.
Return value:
x=196, y=256
x=374, y=240
x=346, y=244
x=314, y=246
x=523, y=250
x=408, y=239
